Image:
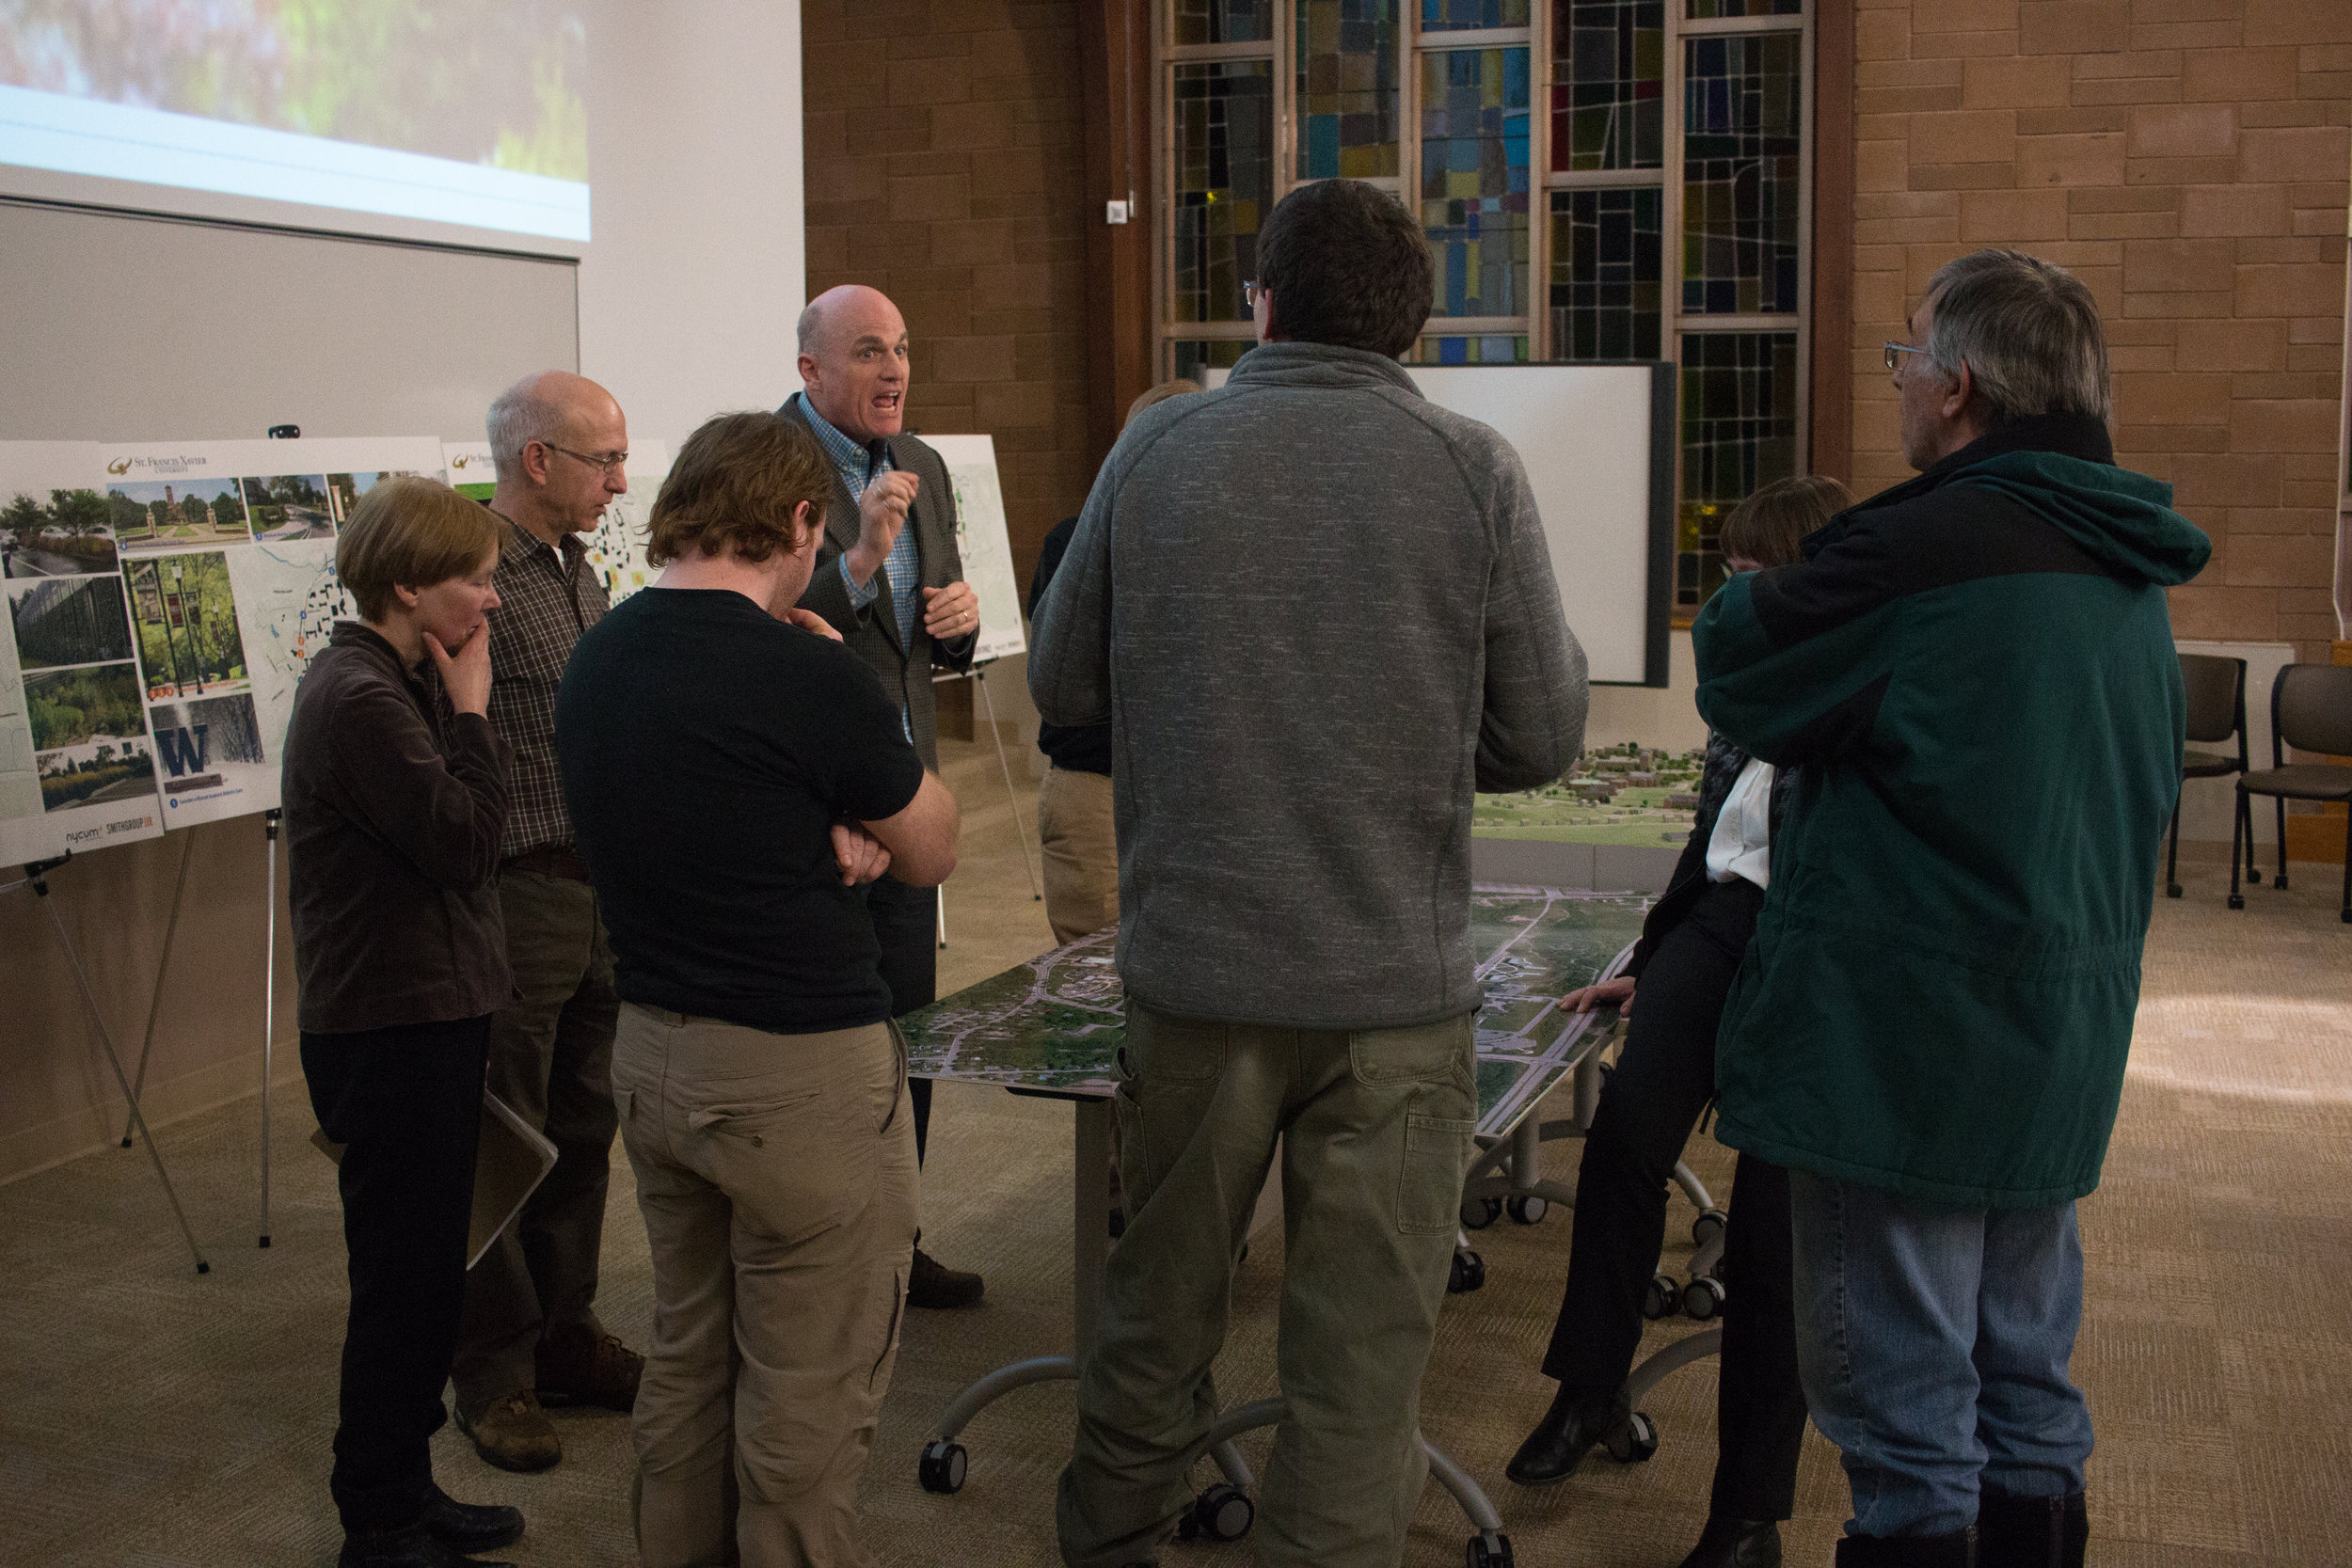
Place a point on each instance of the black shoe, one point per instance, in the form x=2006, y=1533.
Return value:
x=413, y=1548
x=2032, y=1532
x=1569, y=1429
x=470, y=1527
x=1737, y=1543
x=931, y=1283
x=1956, y=1550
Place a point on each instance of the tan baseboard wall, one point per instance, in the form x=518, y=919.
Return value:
x=29, y=1150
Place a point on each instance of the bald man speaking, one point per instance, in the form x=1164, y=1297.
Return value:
x=889, y=578
x=530, y=1332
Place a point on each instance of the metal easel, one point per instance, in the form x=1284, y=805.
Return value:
x=36, y=877
x=979, y=675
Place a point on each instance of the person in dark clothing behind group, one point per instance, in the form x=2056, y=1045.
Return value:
x=393, y=815
x=1074, y=802
x=733, y=773
x=1690, y=947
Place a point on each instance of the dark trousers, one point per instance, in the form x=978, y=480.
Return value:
x=1663, y=1079
x=906, y=922
x=550, y=1060
x=406, y=1105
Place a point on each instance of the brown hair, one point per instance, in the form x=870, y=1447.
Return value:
x=1158, y=394
x=735, y=486
x=1348, y=266
x=411, y=533
x=1767, y=527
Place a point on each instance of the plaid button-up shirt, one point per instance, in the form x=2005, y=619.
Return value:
x=548, y=596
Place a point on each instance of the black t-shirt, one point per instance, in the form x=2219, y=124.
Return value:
x=1074, y=747
x=707, y=749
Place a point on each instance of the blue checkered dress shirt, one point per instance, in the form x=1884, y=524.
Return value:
x=858, y=465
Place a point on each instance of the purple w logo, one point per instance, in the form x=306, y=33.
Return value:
x=182, y=749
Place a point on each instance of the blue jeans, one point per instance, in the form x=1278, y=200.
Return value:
x=1934, y=1345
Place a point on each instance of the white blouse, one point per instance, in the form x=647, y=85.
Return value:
x=1741, y=845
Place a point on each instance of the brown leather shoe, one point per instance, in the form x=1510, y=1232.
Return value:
x=512, y=1432
x=578, y=1366
x=931, y=1283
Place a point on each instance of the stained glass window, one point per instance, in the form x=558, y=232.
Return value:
x=1490, y=349
x=1739, y=397
x=1452, y=16
x=1224, y=21
x=1606, y=298
x=1224, y=132
x=1706, y=10
x=1194, y=357
x=1475, y=178
x=1609, y=84
x=1742, y=140
x=1348, y=89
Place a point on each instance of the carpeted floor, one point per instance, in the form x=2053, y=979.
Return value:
x=149, y=1417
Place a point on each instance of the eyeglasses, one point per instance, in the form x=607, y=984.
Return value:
x=1251, y=293
x=1894, y=349
x=608, y=465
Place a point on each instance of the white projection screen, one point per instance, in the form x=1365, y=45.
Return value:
x=461, y=115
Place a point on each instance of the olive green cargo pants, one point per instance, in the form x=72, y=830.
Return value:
x=1375, y=1129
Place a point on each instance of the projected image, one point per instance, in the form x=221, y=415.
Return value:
x=176, y=514
x=459, y=111
x=67, y=537
x=289, y=506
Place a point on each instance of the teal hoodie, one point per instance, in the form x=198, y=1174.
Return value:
x=1975, y=670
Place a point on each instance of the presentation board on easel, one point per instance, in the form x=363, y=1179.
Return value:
x=981, y=541
x=616, y=547
x=1597, y=442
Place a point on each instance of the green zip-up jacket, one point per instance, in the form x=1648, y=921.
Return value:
x=1975, y=670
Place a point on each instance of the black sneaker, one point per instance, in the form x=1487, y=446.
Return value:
x=470, y=1527
x=932, y=1284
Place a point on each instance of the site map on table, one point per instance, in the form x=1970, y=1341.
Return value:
x=1056, y=1023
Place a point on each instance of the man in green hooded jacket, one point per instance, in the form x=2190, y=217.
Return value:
x=1975, y=669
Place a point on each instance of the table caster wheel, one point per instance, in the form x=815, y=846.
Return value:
x=2281, y=881
x=1480, y=1555
x=1703, y=1298
x=1529, y=1210
x=1662, y=1297
x=2237, y=901
x=942, y=1466
x=1634, y=1440
x=1223, y=1512
x=2171, y=890
x=1468, y=1273
x=1480, y=1213
x=1709, y=1223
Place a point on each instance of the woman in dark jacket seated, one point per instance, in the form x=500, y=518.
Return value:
x=1690, y=948
x=394, y=803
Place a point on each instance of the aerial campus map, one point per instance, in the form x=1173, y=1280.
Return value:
x=1617, y=795
x=1055, y=1022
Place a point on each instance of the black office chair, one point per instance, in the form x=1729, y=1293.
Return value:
x=2311, y=710
x=2216, y=711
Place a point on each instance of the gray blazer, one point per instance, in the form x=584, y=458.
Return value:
x=873, y=632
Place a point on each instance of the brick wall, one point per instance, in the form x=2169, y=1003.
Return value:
x=945, y=163
x=2188, y=159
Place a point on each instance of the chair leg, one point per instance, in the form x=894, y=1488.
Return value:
x=2241, y=835
x=2172, y=864
x=2281, y=801
x=2345, y=913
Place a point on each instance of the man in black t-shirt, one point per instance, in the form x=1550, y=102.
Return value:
x=733, y=771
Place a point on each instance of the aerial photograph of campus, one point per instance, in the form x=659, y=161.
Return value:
x=1627, y=794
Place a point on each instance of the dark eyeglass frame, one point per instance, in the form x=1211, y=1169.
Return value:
x=617, y=463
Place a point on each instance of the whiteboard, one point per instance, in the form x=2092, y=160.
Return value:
x=1597, y=444
x=981, y=539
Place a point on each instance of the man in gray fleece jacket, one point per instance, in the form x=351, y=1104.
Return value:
x=1318, y=612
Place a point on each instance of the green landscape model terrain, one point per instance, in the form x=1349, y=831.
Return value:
x=1625, y=794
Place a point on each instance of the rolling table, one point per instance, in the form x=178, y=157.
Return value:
x=1052, y=1028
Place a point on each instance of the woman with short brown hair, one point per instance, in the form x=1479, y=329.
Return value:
x=393, y=809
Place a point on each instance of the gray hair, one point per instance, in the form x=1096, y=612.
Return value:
x=518, y=417
x=2027, y=331
x=811, y=320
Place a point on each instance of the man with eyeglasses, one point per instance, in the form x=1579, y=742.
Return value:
x=531, y=1337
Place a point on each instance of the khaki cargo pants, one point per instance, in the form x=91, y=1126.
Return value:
x=1375, y=1129
x=776, y=1175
